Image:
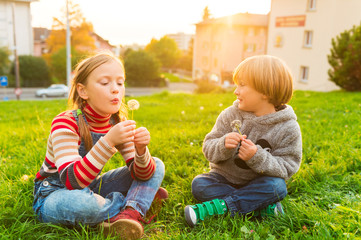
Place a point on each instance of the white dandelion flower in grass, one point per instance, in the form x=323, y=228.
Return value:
x=183, y=112
x=133, y=105
x=201, y=108
x=221, y=104
x=236, y=125
x=24, y=178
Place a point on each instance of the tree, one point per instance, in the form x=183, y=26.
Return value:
x=81, y=41
x=33, y=71
x=165, y=50
x=58, y=63
x=186, y=60
x=80, y=29
x=142, y=69
x=206, y=14
x=345, y=59
x=4, y=60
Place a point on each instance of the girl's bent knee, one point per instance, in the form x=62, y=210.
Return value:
x=160, y=168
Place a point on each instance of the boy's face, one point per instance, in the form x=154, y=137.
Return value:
x=250, y=100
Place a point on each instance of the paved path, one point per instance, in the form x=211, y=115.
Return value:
x=29, y=93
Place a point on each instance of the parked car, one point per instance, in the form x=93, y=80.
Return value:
x=55, y=90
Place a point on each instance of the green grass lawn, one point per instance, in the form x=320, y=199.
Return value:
x=324, y=200
x=176, y=78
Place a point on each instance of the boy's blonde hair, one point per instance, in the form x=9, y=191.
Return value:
x=268, y=75
x=81, y=73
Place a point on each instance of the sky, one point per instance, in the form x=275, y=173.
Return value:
x=138, y=21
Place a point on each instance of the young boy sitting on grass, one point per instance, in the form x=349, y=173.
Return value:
x=253, y=148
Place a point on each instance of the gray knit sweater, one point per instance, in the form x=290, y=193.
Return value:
x=278, y=139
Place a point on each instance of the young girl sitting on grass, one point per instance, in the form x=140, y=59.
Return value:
x=69, y=189
x=253, y=148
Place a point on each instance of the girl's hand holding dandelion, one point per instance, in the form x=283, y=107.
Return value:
x=141, y=135
x=234, y=138
x=141, y=140
x=121, y=133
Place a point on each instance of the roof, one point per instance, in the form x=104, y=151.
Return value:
x=247, y=19
x=100, y=39
x=29, y=1
x=40, y=34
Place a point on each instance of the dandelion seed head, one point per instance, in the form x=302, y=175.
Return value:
x=24, y=178
x=201, y=108
x=183, y=112
x=236, y=124
x=133, y=104
x=221, y=104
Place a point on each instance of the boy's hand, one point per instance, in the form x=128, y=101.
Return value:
x=233, y=139
x=141, y=140
x=121, y=133
x=247, y=150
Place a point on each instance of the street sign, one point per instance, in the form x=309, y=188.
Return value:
x=17, y=91
x=4, y=81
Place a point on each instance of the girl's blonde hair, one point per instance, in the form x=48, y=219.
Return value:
x=268, y=75
x=81, y=73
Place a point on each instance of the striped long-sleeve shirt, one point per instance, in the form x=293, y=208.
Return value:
x=62, y=155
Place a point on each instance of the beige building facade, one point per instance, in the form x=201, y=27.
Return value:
x=221, y=44
x=300, y=32
x=23, y=29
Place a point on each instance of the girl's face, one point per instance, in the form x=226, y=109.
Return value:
x=252, y=101
x=104, y=90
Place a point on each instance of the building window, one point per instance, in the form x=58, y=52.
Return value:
x=311, y=5
x=304, y=74
x=205, y=45
x=262, y=32
x=278, y=42
x=250, y=47
x=205, y=61
x=308, y=39
x=250, y=32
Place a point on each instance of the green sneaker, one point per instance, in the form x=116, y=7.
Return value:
x=274, y=209
x=196, y=213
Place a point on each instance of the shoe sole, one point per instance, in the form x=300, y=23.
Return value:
x=125, y=228
x=190, y=216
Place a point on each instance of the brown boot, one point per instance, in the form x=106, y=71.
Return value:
x=160, y=197
x=125, y=224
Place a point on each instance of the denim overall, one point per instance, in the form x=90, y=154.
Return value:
x=102, y=199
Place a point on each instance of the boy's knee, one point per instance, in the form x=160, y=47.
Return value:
x=279, y=186
x=198, y=188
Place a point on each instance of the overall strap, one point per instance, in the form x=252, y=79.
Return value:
x=74, y=112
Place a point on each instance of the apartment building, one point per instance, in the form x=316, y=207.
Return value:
x=16, y=12
x=220, y=44
x=182, y=40
x=300, y=32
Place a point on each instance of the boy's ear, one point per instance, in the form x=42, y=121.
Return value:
x=80, y=88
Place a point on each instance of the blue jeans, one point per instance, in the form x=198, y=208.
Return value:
x=257, y=194
x=102, y=199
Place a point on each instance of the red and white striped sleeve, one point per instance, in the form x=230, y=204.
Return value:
x=76, y=172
